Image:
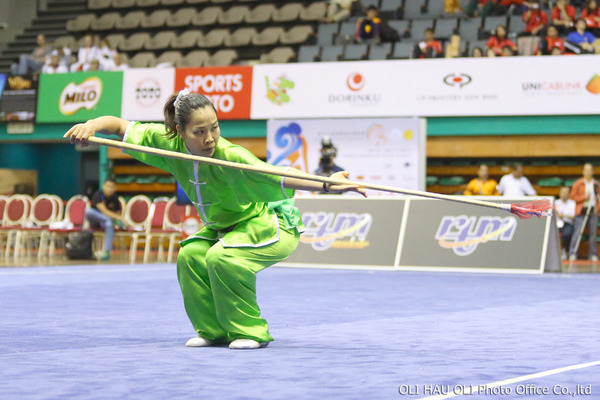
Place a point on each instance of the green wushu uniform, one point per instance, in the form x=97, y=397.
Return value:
x=250, y=223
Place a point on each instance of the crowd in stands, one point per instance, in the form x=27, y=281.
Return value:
x=94, y=55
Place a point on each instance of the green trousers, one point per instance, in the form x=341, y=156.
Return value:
x=219, y=286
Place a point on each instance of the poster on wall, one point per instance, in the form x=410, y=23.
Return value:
x=79, y=96
x=229, y=88
x=145, y=92
x=384, y=151
x=18, y=98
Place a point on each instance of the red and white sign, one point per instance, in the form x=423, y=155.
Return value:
x=229, y=88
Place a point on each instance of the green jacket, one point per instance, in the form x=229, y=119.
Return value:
x=239, y=208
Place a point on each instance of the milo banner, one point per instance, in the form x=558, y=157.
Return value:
x=79, y=96
x=343, y=231
x=18, y=97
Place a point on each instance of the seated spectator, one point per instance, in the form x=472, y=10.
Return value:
x=503, y=6
x=507, y=51
x=550, y=42
x=453, y=47
x=499, y=40
x=367, y=29
x=477, y=52
x=64, y=54
x=94, y=65
x=452, y=7
x=481, y=8
x=563, y=16
x=580, y=41
x=515, y=184
x=33, y=63
x=565, y=214
x=591, y=14
x=106, y=54
x=482, y=185
x=86, y=54
x=428, y=48
x=535, y=20
x=104, y=210
x=338, y=10
x=116, y=64
x=54, y=66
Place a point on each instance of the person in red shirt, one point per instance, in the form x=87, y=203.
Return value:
x=499, y=40
x=535, y=19
x=591, y=14
x=503, y=6
x=563, y=16
x=483, y=8
x=428, y=48
x=550, y=42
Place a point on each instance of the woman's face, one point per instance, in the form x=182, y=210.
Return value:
x=477, y=52
x=500, y=31
x=202, y=132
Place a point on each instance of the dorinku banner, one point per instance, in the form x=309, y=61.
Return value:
x=79, y=96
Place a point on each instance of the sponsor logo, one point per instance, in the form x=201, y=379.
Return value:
x=326, y=230
x=217, y=88
x=19, y=83
x=277, y=91
x=85, y=95
x=593, y=86
x=147, y=92
x=546, y=86
x=291, y=148
x=457, y=80
x=355, y=81
x=464, y=233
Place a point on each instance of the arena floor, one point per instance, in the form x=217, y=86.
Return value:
x=118, y=332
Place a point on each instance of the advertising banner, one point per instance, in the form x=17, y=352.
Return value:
x=18, y=97
x=79, y=96
x=229, y=88
x=386, y=151
x=348, y=232
x=432, y=87
x=145, y=92
x=450, y=235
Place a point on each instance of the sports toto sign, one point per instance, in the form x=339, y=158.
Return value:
x=229, y=88
x=85, y=95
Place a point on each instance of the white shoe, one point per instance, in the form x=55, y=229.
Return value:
x=594, y=258
x=572, y=257
x=247, y=344
x=563, y=255
x=198, y=342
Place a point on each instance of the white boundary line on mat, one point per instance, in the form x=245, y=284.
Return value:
x=476, y=389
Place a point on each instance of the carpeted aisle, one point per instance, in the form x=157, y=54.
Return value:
x=118, y=332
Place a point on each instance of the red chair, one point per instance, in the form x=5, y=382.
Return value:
x=3, y=201
x=16, y=213
x=137, y=213
x=74, y=221
x=44, y=211
x=165, y=227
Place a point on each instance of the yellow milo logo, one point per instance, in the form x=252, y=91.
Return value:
x=85, y=95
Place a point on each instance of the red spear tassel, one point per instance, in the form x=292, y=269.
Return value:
x=539, y=208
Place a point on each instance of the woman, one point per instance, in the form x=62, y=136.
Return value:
x=499, y=40
x=250, y=221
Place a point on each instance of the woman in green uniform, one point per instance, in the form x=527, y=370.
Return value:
x=249, y=219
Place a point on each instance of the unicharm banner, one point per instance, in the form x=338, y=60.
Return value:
x=423, y=234
x=79, y=96
x=145, y=92
x=429, y=87
x=386, y=151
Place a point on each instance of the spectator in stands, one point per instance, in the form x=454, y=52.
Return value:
x=515, y=184
x=591, y=14
x=338, y=10
x=86, y=54
x=452, y=7
x=482, y=185
x=33, y=63
x=64, y=53
x=503, y=6
x=565, y=213
x=367, y=28
x=499, y=40
x=586, y=194
x=580, y=41
x=94, y=65
x=476, y=52
x=550, y=42
x=428, y=48
x=535, y=20
x=507, y=51
x=54, y=66
x=481, y=8
x=117, y=63
x=104, y=211
x=563, y=16
x=106, y=54
x=556, y=52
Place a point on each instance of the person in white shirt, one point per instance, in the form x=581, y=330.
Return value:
x=565, y=214
x=54, y=66
x=586, y=194
x=86, y=54
x=515, y=184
